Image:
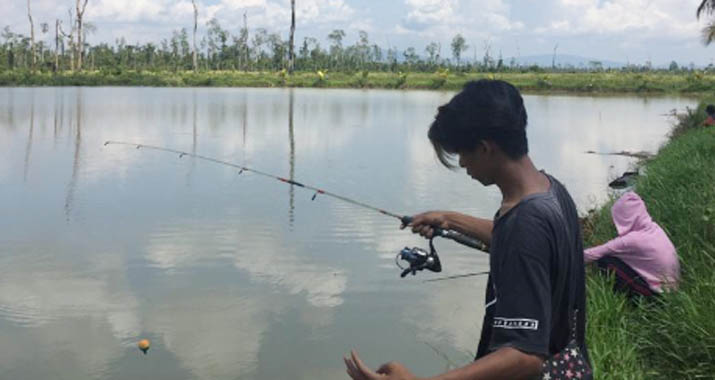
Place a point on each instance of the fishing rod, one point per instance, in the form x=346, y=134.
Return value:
x=418, y=258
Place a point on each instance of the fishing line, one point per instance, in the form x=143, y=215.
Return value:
x=457, y=276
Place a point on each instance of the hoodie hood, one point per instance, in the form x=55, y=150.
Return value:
x=630, y=214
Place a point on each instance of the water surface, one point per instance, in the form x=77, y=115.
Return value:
x=238, y=276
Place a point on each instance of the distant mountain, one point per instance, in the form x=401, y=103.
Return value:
x=562, y=60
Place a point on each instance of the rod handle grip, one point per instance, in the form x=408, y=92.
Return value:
x=454, y=235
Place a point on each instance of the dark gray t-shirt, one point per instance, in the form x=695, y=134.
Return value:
x=536, y=261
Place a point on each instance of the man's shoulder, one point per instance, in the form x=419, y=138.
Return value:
x=541, y=212
x=552, y=207
x=531, y=218
x=540, y=206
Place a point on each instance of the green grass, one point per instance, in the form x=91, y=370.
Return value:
x=581, y=82
x=674, y=339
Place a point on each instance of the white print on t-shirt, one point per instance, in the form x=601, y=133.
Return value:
x=494, y=301
x=516, y=323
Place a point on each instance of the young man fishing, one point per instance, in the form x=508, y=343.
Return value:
x=534, y=322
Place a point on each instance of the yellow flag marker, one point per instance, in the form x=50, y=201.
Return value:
x=144, y=345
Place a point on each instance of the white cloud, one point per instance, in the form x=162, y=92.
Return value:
x=426, y=11
x=634, y=18
x=441, y=19
x=129, y=11
x=242, y=4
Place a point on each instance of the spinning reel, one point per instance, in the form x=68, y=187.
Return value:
x=418, y=259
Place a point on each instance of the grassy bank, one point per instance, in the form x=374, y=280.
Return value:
x=675, y=339
x=596, y=82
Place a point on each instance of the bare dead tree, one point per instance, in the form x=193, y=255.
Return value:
x=57, y=45
x=44, y=27
x=291, y=48
x=80, y=39
x=487, y=59
x=196, y=25
x=553, y=59
x=32, y=36
x=245, y=45
x=88, y=28
x=70, y=37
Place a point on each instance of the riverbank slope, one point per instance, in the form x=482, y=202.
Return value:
x=651, y=82
x=673, y=339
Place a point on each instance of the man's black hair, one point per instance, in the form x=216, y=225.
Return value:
x=484, y=110
x=710, y=109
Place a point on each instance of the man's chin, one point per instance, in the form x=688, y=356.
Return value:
x=483, y=181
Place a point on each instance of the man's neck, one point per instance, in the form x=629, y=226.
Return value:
x=519, y=178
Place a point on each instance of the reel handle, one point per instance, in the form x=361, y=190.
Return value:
x=406, y=271
x=454, y=235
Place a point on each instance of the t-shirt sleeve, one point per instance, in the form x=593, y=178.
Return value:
x=522, y=315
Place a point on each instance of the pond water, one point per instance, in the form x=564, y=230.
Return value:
x=239, y=276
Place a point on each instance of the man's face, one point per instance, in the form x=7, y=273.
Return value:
x=478, y=163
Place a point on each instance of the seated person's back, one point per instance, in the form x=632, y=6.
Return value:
x=642, y=256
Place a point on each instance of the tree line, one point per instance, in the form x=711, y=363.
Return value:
x=66, y=48
x=218, y=49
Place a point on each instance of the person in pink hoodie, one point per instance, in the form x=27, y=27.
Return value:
x=642, y=258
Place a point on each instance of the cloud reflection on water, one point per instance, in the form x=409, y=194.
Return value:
x=216, y=335
x=184, y=245
x=75, y=318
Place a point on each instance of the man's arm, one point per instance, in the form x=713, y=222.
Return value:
x=477, y=227
x=506, y=363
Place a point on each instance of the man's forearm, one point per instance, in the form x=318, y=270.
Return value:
x=506, y=363
x=478, y=227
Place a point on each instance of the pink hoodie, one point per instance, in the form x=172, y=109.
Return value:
x=641, y=244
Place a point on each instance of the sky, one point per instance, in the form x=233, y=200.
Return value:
x=626, y=31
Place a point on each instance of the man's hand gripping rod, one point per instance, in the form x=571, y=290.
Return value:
x=454, y=235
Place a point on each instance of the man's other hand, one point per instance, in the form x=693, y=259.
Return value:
x=389, y=371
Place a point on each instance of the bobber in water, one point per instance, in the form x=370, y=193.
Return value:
x=144, y=345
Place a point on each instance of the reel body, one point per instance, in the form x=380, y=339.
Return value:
x=418, y=259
